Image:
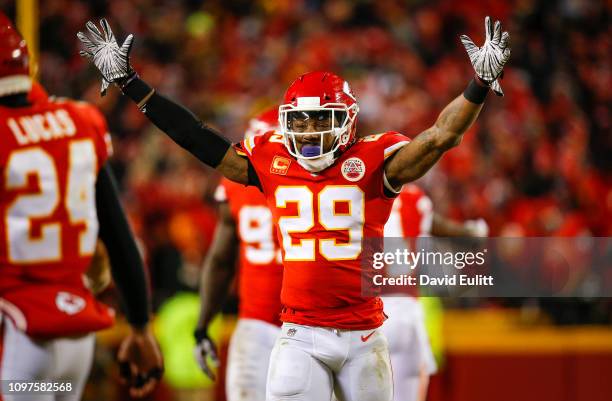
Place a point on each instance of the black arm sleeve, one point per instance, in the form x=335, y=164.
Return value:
x=126, y=263
x=253, y=177
x=178, y=123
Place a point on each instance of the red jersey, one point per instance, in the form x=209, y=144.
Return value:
x=49, y=160
x=411, y=217
x=260, y=271
x=412, y=214
x=322, y=219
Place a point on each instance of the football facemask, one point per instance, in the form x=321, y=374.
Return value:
x=313, y=132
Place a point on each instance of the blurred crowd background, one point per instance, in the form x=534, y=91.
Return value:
x=536, y=163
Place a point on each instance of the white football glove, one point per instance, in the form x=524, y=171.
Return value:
x=205, y=349
x=104, y=52
x=489, y=60
x=477, y=228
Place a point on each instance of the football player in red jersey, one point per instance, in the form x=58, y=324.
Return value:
x=245, y=232
x=56, y=197
x=412, y=216
x=327, y=191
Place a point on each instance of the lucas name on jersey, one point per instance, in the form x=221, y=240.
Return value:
x=36, y=128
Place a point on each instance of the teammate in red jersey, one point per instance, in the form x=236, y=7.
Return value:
x=412, y=359
x=327, y=191
x=245, y=232
x=56, y=197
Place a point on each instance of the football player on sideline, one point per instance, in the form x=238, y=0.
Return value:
x=327, y=191
x=245, y=228
x=412, y=216
x=57, y=195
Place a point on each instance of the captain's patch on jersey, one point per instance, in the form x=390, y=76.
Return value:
x=280, y=165
x=353, y=169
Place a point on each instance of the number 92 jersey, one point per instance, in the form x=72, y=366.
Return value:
x=322, y=220
x=260, y=271
x=49, y=160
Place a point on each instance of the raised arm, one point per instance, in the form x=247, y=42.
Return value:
x=416, y=158
x=177, y=122
x=187, y=130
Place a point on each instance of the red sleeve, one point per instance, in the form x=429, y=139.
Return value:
x=260, y=151
x=102, y=138
x=416, y=211
x=393, y=141
x=388, y=143
x=252, y=145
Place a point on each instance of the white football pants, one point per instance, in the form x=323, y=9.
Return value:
x=411, y=355
x=57, y=360
x=248, y=360
x=310, y=363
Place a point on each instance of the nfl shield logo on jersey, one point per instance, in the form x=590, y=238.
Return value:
x=353, y=169
x=69, y=303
